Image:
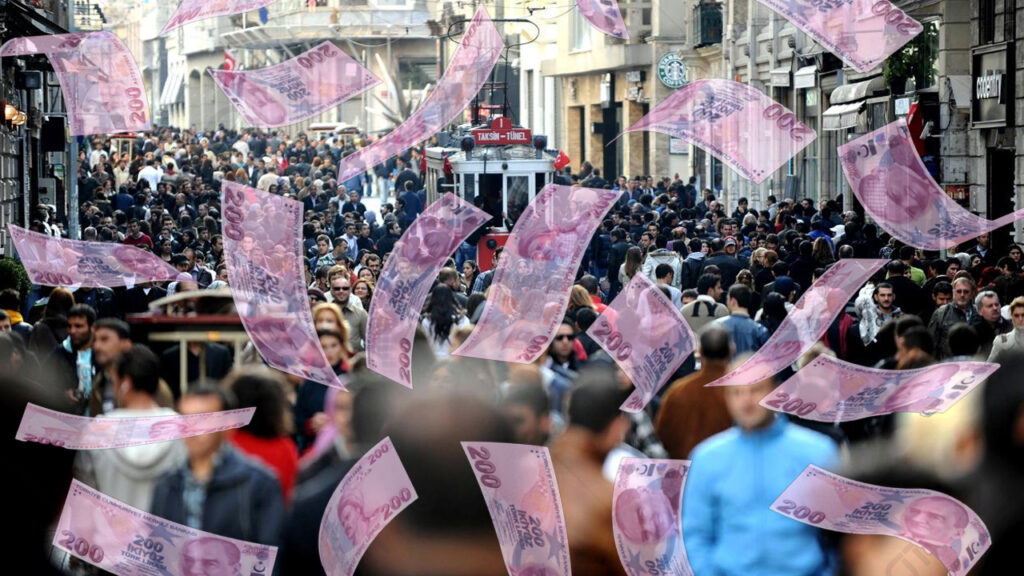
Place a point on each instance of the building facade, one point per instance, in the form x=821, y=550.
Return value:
x=34, y=151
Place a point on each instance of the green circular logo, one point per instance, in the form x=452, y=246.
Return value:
x=672, y=71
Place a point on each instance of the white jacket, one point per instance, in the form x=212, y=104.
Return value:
x=130, y=474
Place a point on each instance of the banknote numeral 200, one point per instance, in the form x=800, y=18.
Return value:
x=801, y=512
x=81, y=547
x=786, y=120
x=138, y=107
x=316, y=57
x=613, y=340
x=393, y=505
x=896, y=17
x=379, y=452
x=482, y=463
x=537, y=343
x=43, y=440
x=404, y=360
x=791, y=406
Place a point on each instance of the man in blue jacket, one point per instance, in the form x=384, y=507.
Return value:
x=735, y=477
x=218, y=490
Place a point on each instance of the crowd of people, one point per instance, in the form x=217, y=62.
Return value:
x=733, y=275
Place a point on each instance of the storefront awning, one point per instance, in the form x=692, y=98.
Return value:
x=848, y=93
x=805, y=77
x=29, y=21
x=780, y=78
x=841, y=116
x=960, y=84
x=173, y=88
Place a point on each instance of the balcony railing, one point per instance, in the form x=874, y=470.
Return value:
x=707, y=24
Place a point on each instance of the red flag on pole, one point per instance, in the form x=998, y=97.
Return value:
x=562, y=160
x=229, y=61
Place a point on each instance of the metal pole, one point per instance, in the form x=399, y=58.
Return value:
x=71, y=171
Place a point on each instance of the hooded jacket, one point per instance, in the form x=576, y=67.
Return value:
x=129, y=474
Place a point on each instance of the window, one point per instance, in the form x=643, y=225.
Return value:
x=987, y=22
x=391, y=4
x=518, y=192
x=579, y=33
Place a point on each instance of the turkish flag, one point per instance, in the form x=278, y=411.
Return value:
x=562, y=160
x=229, y=61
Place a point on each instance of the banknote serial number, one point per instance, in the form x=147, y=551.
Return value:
x=801, y=512
x=80, y=546
x=481, y=457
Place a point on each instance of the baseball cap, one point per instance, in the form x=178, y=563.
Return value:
x=730, y=241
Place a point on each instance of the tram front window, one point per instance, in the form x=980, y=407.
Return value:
x=518, y=196
x=490, y=190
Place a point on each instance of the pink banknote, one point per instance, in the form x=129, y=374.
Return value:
x=519, y=486
x=604, y=15
x=100, y=81
x=833, y=390
x=530, y=291
x=192, y=10
x=53, y=261
x=47, y=426
x=467, y=71
x=940, y=524
x=263, y=243
x=646, y=516
x=892, y=183
x=646, y=335
x=861, y=32
x=806, y=323
x=373, y=492
x=296, y=89
x=129, y=542
x=734, y=122
x=407, y=278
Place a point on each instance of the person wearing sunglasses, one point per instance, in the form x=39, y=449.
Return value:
x=562, y=351
x=341, y=292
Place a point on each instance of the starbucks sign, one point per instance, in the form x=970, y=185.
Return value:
x=672, y=71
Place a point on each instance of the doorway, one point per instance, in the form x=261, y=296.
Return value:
x=1001, y=192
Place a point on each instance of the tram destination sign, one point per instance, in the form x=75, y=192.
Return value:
x=501, y=133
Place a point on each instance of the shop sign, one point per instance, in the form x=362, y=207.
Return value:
x=672, y=71
x=992, y=91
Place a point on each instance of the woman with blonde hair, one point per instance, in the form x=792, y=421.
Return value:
x=580, y=298
x=328, y=316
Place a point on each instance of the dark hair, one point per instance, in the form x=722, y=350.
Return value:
x=880, y=285
x=261, y=390
x=225, y=395
x=907, y=253
x=707, y=282
x=918, y=337
x=742, y=294
x=10, y=299
x=589, y=282
x=896, y=267
x=473, y=302
x=60, y=301
x=595, y=400
x=532, y=396
x=119, y=327
x=942, y=288
x=443, y=311
x=963, y=340
x=585, y=318
x=83, y=311
x=663, y=270
x=773, y=311
x=780, y=268
x=714, y=342
x=141, y=365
